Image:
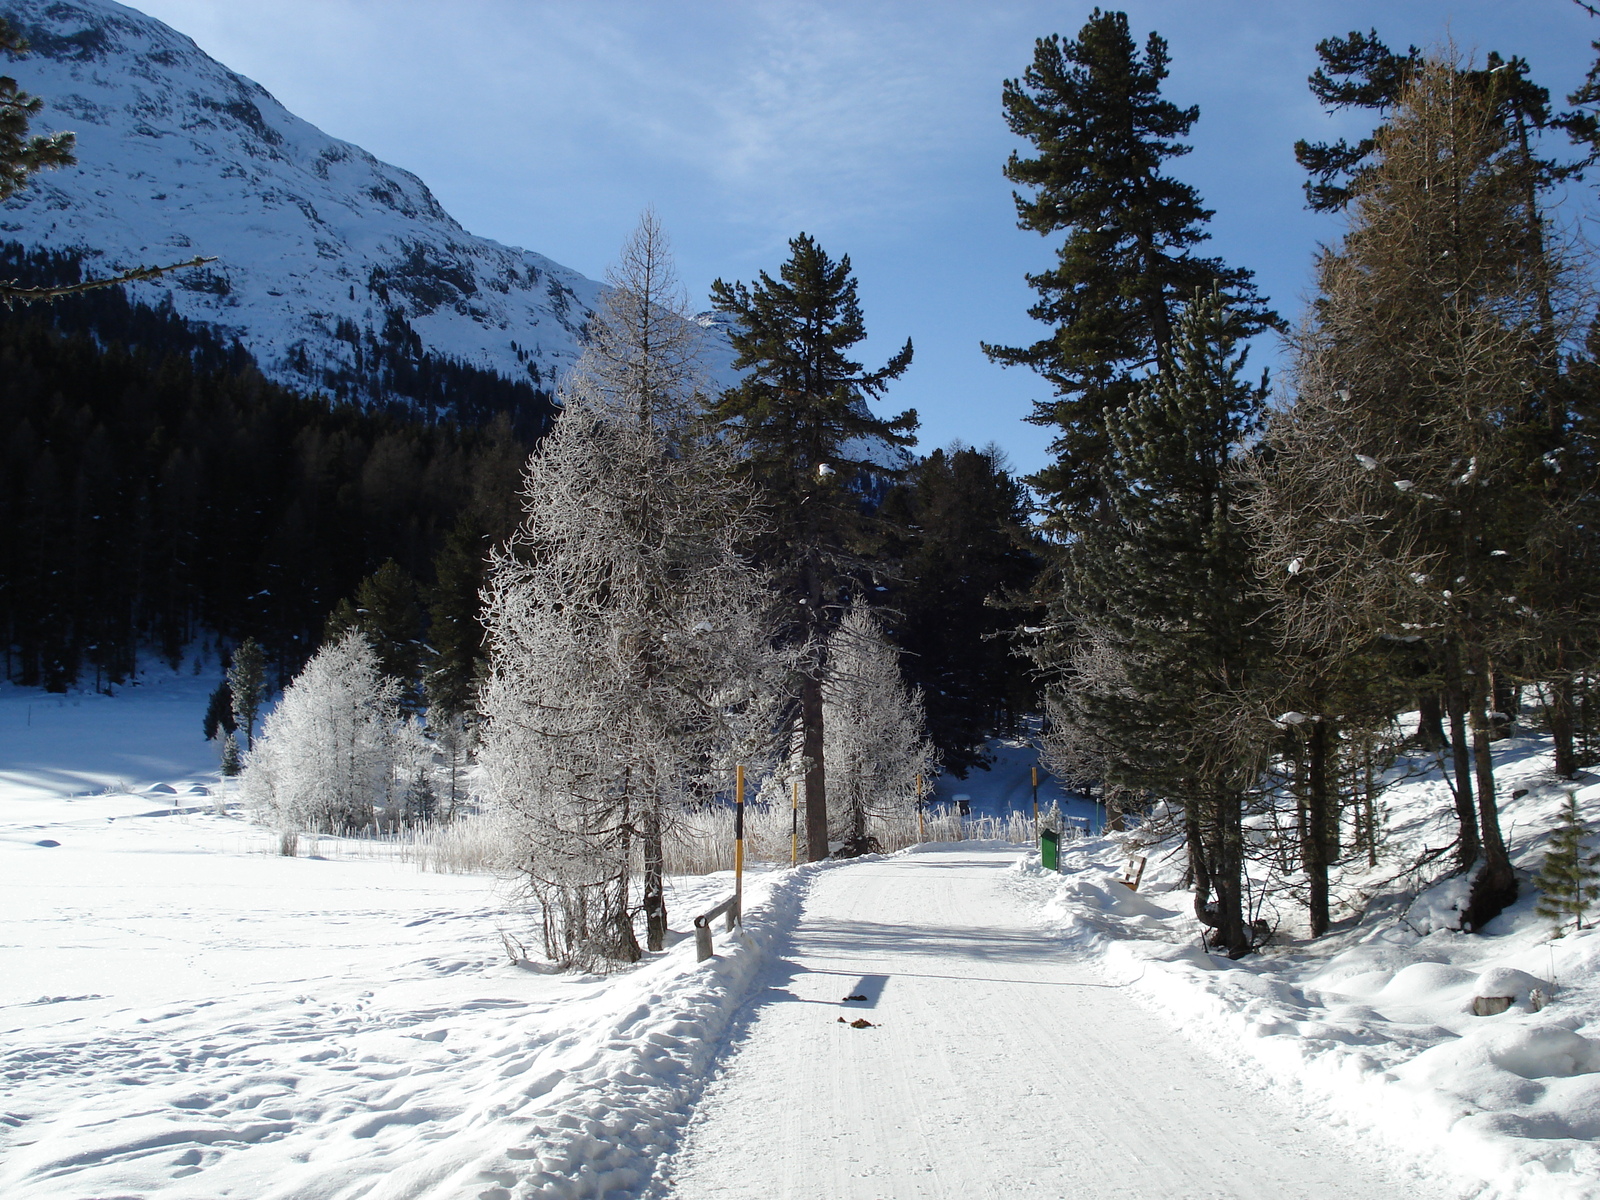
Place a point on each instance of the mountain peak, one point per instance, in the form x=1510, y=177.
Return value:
x=332, y=264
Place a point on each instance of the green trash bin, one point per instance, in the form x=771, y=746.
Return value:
x=1049, y=850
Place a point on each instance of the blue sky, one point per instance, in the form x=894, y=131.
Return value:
x=874, y=125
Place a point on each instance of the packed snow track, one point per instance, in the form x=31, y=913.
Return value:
x=995, y=1065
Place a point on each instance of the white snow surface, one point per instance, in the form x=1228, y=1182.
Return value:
x=1372, y=1026
x=178, y=156
x=184, y=1014
x=998, y=1063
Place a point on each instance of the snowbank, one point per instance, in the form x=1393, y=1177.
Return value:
x=1373, y=1025
x=186, y=1015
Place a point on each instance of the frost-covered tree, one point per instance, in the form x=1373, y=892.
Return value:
x=328, y=754
x=629, y=642
x=875, y=745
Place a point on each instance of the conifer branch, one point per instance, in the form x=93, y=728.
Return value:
x=13, y=294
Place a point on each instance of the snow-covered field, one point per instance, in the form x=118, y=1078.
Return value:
x=1372, y=1025
x=186, y=1015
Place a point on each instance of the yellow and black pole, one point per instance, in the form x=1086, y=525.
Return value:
x=794, y=827
x=1035, y=771
x=738, y=844
x=921, y=836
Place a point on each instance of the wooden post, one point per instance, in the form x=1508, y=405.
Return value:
x=794, y=827
x=921, y=834
x=738, y=842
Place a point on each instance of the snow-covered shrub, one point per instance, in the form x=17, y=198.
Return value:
x=327, y=755
x=874, y=744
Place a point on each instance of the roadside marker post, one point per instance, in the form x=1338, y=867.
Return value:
x=794, y=827
x=1035, y=773
x=921, y=833
x=738, y=843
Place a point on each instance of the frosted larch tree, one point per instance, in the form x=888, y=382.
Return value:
x=629, y=643
x=326, y=757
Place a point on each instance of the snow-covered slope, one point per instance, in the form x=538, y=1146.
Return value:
x=1373, y=1026
x=326, y=254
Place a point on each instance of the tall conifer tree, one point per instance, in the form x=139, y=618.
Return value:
x=815, y=451
x=1092, y=107
x=1163, y=598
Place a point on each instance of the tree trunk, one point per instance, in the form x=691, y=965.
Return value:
x=1495, y=887
x=815, y=778
x=1199, y=871
x=1227, y=877
x=1467, y=845
x=1369, y=789
x=1430, y=722
x=1507, y=700
x=617, y=940
x=655, y=899
x=1317, y=853
x=1561, y=715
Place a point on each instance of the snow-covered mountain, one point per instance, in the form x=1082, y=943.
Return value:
x=328, y=258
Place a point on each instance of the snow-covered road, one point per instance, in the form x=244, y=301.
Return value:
x=996, y=1066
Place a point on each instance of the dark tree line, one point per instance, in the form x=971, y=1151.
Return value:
x=156, y=495
x=392, y=371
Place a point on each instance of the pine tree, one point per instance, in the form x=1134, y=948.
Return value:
x=22, y=153
x=1151, y=695
x=219, y=712
x=816, y=453
x=1359, y=71
x=1569, y=879
x=386, y=611
x=247, y=683
x=1093, y=109
x=231, y=762
x=455, y=634
x=629, y=643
